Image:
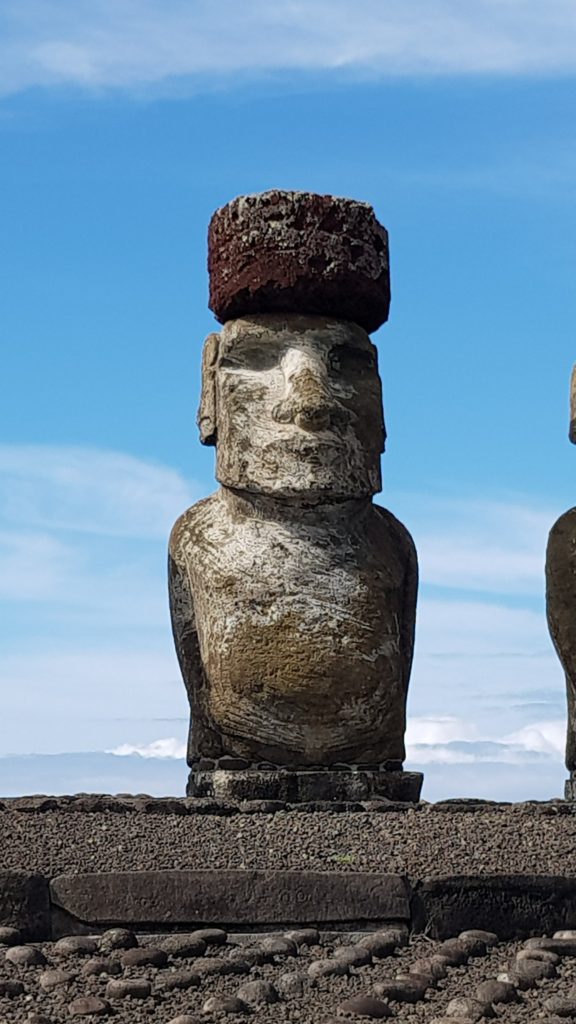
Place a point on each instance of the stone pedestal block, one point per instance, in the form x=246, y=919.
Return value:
x=288, y=252
x=305, y=786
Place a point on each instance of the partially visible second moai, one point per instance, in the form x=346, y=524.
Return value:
x=292, y=595
x=561, y=605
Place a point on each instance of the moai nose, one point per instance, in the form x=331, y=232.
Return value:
x=307, y=394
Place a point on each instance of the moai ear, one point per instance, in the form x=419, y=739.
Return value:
x=572, y=433
x=207, y=414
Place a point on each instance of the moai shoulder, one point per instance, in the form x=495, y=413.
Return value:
x=292, y=595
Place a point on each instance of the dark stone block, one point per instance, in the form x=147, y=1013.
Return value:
x=306, y=786
x=509, y=905
x=25, y=904
x=184, y=898
x=298, y=252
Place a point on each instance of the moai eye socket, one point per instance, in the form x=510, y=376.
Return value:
x=252, y=358
x=349, y=359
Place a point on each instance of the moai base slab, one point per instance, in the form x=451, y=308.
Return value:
x=292, y=595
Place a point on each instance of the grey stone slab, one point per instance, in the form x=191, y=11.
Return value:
x=25, y=904
x=510, y=905
x=306, y=786
x=236, y=898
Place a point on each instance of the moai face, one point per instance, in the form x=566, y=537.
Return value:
x=294, y=406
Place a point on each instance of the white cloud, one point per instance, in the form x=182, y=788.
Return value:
x=130, y=43
x=169, y=747
x=89, y=490
x=472, y=544
x=445, y=740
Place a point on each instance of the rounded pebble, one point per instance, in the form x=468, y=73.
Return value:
x=365, y=1006
x=224, y=1004
x=354, y=956
x=327, y=968
x=279, y=946
x=211, y=936
x=472, y=945
x=454, y=951
x=304, y=936
x=544, y=955
x=496, y=992
x=144, y=957
x=403, y=990
x=10, y=987
x=71, y=945
x=378, y=944
x=100, y=965
x=433, y=967
x=181, y=980
x=257, y=993
x=25, y=956
x=136, y=988
x=293, y=984
x=488, y=938
x=526, y=973
x=10, y=936
x=49, y=980
x=86, y=1006
x=470, y=1009
x=561, y=1007
x=183, y=1018
x=117, y=938
x=184, y=946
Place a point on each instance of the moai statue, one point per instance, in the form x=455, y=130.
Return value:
x=561, y=605
x=292, y=595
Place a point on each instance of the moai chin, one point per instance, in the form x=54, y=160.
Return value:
x=292, y=595
x=561, y=605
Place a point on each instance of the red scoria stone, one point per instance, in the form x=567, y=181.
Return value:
x=298, y=252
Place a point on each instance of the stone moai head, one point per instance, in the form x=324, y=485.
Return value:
x=291, y=395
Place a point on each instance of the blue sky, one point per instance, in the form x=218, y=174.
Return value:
x=123, y=125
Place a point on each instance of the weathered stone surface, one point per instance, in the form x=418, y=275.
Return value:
x=258, y=993
x=365, y=1006
x=509, y=905
x=561, y=613
x=224, y=1004
x=117, y=938
x=88, y=1006
x=496, y=992
x=231, y=897
x=292, y=595
x=299, y=252
x=327, y=968
x=25, y=904
x=124, y=988
x=25, y=956
x=306, y=787
x=471, y=1009
x=402, y=990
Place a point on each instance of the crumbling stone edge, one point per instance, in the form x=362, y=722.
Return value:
x=142, y=803
x=512, y=906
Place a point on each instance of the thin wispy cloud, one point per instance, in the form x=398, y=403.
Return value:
x=132, y=43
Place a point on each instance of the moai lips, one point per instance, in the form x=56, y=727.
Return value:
x=292, y=595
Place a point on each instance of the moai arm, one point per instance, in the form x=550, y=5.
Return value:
x=407, y=551
x=201, y=738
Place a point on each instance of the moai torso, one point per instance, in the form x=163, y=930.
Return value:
x=561, y=605
x=292, y=595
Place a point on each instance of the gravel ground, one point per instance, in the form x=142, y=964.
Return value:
x=432, y=840
x=304, y=1000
